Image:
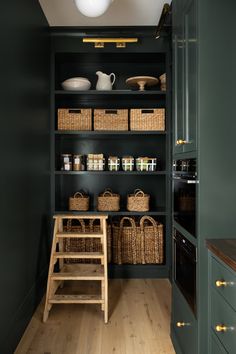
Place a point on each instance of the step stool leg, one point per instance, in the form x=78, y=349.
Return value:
x=104, y=229
x=61, y=249
x=103, y=294
x=50, y=271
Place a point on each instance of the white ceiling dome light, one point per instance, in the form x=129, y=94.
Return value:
x=93, y=8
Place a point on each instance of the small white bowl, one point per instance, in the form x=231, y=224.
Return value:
x=76, y=84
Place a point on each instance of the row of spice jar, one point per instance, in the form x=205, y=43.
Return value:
x=92, y=162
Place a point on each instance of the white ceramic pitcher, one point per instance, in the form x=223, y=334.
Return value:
x=105, y=82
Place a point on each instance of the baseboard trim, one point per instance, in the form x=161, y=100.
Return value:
x=24, y=314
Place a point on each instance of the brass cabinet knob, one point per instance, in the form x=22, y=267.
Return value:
x=181, y=142
x=181, y=324
x=220, y=328
x=220, y=283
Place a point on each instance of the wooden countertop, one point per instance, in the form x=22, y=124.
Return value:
x=225, y=250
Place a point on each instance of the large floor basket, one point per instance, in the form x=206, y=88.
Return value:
x=138, y=243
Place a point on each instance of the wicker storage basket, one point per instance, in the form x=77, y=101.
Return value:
x=139, y=201
x=147, y=119
x=86, y=245
x=79, y=202
x=142, y=244
x=74, y=119
x=108, y=201
x=124, y=241
x=110, y=119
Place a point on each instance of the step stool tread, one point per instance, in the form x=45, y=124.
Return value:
x=73, y=299
x=79, y=255
x=79, y=235
x=94, y=216
x=80, y=272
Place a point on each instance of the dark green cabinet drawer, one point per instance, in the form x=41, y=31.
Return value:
x=183, y=323
x=224, y=316
x=215, y=346
x=226, y=281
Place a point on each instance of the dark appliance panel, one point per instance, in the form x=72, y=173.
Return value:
x=185, y=181
x=185, y=268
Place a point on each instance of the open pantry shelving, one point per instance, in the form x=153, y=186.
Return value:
x=68, y=62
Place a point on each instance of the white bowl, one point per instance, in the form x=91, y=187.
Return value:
x=76, y=84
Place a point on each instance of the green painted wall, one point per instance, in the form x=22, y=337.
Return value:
x=24, y=171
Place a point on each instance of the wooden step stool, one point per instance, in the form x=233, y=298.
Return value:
x=96, y=272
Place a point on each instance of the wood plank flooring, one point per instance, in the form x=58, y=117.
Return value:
x=139, y=319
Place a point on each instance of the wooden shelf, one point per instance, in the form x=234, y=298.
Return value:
x=112, y=93
x=102, y=133
x=156, y=212
x=110, y=173
x=80, y=272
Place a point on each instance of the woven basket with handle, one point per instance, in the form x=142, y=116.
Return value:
x=124, y=241
x=138, y=244
x=110, y=119
x=152, y=249
x=139, y=201
x=147, y=119
x=74, y=119
x=79, y=202
x=108, y=201
x=88, y=244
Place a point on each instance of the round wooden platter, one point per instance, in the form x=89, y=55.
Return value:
x=142, y=81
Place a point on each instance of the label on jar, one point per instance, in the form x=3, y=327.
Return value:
x=67, y=167
x=77, y=161
x=66, y=160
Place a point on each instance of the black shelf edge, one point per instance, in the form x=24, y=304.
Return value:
x=111, y=93
x=117, y=173
x=108, y=132
x=159, y=211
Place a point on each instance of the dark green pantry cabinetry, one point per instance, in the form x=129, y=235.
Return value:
x=204, y=56
x=184, y=324
x=222, y=296
x=184, y=75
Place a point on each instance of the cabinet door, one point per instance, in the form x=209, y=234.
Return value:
x=183, y=323
x=178, y=76
x=190, y=76
x=215, y=346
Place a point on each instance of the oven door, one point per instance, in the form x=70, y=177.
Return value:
x=185, y=203
x=185, y=268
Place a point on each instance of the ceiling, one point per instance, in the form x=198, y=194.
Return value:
x=120, y=13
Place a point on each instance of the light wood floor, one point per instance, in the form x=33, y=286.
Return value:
x=138, y=324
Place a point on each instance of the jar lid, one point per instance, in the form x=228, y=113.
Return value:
x=127, y=157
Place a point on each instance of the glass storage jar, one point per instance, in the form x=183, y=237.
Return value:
x=128, y=163
x=66, y=162
x=113, y=163
x=78, y=163
x=146, y=164
x=185, y=164
x=95, y=162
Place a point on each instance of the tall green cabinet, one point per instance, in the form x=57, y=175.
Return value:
x=185, y=73
x=204, y=117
